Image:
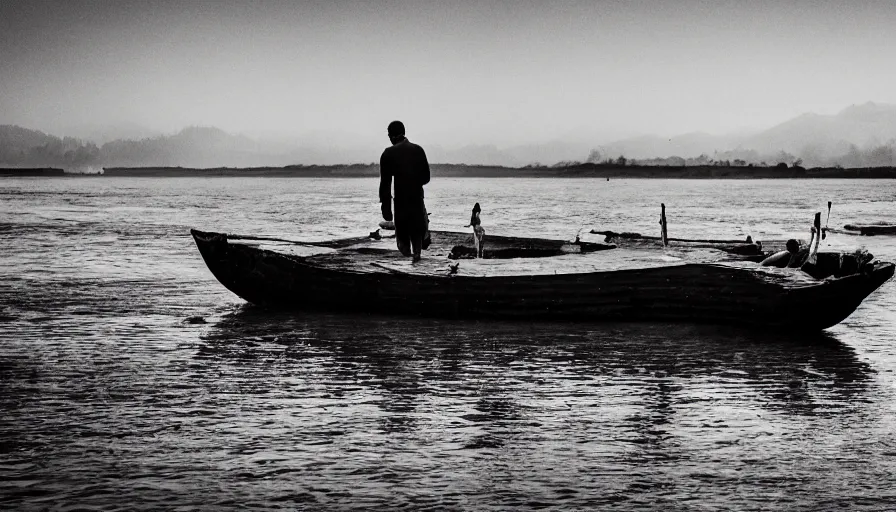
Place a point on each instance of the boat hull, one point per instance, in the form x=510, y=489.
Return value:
x=706, y=293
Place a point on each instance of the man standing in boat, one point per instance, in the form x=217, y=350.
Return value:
x=406, y=163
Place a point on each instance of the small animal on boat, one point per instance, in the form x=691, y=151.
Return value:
x=478, y=230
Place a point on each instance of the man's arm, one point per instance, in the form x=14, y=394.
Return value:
x=385, y=180
x=385, y=188
x=424, y=168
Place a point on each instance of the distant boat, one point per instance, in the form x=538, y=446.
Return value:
x=539, y=279
x=872, y=229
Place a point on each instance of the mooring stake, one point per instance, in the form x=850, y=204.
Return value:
x=664, y=235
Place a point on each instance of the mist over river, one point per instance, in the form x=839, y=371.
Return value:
x=109, y=400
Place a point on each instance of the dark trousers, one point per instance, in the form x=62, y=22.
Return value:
x=411, y=227
x=408, y=246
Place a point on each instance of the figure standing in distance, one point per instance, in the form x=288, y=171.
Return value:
x=406, y=163
x=478, y=230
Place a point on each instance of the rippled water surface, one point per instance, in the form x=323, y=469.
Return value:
x=110, y=400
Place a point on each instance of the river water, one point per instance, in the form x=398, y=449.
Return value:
x=109, y=400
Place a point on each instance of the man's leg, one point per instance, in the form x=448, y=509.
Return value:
x=411, y=225
x=404, y=244
x=416, y=245
x=427, y=238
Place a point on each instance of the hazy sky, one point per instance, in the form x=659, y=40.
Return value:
x=455, y=72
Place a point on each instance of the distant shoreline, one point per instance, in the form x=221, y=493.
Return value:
x=484, y=171
x=35, y=171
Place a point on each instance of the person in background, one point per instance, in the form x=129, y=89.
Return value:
x=406, y=163
x=478, y=230
x=793, y=257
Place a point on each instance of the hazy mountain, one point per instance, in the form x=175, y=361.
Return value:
x=101, y=134
x=549, y=153
x=484, y=154
x=686, y=145
x=15, y=138
x=194, y=146
x=821, y=136
x=21, y=147
x=817, y=139
x=860, y=135
x=212, y=147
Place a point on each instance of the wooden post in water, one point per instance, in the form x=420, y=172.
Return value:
x=824, y=232
x=816, y=239
x=664, y=235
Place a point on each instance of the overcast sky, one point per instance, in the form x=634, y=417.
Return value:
x=456, y=72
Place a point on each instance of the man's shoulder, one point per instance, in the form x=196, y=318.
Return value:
x=408, y=146
x=405, y=148
x=415, y=147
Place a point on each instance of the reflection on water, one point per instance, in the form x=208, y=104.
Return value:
x=109, y=400
x=409, y=357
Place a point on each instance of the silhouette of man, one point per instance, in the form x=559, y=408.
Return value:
x=406, y=163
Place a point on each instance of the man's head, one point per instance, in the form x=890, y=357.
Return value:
x=396, y=131
x=793, y=246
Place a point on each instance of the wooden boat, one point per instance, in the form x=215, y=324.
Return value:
x=531, y=279
x=872, y=229
x=747, y=249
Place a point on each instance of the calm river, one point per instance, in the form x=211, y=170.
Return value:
x=110, y=401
